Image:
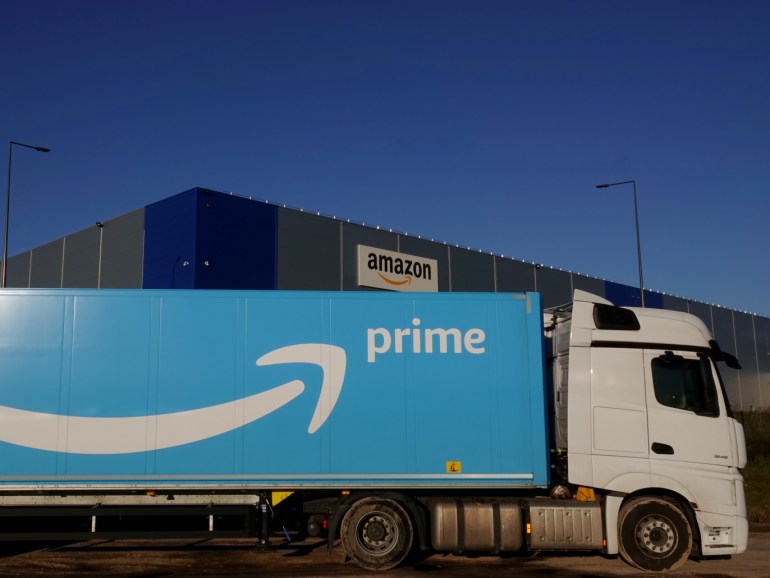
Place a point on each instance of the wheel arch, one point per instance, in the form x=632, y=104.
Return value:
x=615, y=501
x=676, y=498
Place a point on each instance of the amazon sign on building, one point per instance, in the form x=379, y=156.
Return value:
x=383, y=269
x=203, y=239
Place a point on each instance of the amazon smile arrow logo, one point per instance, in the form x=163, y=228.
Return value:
x=123, y=435
x=406, y=281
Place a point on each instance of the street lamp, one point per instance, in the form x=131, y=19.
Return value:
x=8, y=200
x=638, y=240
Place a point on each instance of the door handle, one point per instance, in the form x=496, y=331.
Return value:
x=663, y=449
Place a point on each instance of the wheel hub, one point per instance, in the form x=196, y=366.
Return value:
x=375, y=530
x=655, y=535
x=377, y=533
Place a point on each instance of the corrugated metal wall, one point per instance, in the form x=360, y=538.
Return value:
x=319, y=253
x=108, y=256
x=205, y=239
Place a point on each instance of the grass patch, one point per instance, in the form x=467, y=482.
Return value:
x=757, y=472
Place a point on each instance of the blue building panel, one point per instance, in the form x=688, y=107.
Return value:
x=200, y=239
x=236, y=244
x=170, y=242
x=627, y=296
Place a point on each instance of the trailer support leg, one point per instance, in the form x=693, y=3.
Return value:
x=263, y=531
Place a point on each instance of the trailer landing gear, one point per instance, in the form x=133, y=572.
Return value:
x=263, y=519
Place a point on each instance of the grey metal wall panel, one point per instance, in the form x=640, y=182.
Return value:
x=308, y=251
x=514, y=275
x=675, y=303
x=81, y=259
x=471, y=270
x=354, y=235
x=724, y=332
x=46, y=268
x=123, y=251
x=429, y=250
x=762, y=332
x=746, y=351
x=554, y=285
x=17, y=274
x=703, y=312
x=590, y=284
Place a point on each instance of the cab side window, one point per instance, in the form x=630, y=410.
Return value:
x=686, y=384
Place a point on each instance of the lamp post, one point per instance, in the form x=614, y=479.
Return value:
x=638, y=240
x=8, y=200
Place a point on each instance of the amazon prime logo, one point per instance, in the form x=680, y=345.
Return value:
x=123, y=435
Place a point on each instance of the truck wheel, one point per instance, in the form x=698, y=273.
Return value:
x=377, y=533
x=654, y=534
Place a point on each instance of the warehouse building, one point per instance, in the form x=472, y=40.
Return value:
x=202, y=239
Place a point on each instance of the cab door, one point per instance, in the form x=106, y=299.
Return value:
x=687, y=419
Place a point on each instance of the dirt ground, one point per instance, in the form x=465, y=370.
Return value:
x=237, y=558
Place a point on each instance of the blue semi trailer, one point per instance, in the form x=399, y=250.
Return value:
x=438, y=421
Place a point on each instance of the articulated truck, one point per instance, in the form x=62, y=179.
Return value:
x=395, y=422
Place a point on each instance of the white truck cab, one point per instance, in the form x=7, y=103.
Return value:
x=642, y=417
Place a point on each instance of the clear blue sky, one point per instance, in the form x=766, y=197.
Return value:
x=481, y=123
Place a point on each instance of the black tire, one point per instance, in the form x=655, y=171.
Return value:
x=377, y=533
x=654, y=534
